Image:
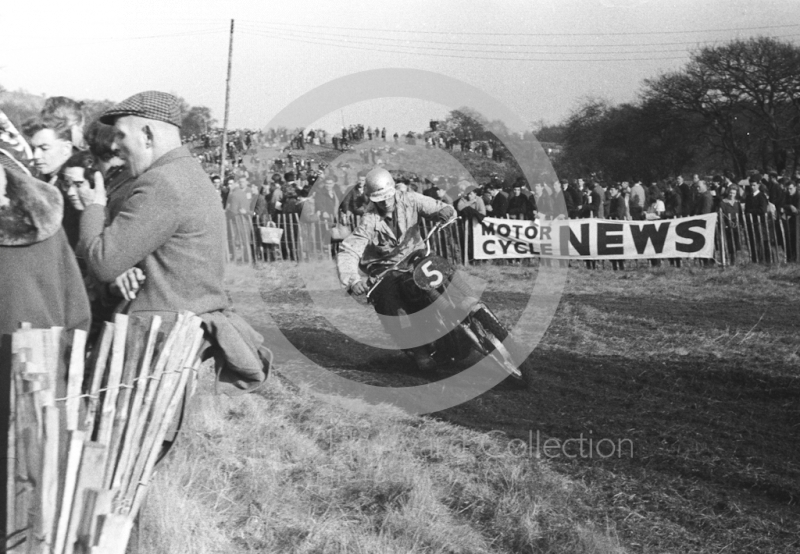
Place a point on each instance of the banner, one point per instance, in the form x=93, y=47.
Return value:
x=595, y=239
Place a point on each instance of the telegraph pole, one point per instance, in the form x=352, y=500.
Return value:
x=227, y=108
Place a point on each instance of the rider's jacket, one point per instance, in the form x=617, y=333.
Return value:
x=374, y=246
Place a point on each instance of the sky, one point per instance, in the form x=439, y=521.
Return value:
x=538, y=58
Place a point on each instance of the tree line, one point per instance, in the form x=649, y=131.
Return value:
x=731, y=109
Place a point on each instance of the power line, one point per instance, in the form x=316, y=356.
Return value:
x=482, y=50
x=637, y=33
x=267, y=26
x=430, y=54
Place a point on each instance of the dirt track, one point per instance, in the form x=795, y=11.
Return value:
x=716, y=454
x=716, y=460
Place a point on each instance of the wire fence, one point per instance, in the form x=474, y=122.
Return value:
x=740, y=238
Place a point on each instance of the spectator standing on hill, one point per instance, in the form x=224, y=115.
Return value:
x=498, y=207
x=571, y=200
x=40, y=284
x=486, y=196
x=687, y=196
x=673, y=204
x=775, y=191
x=617, y=212
x=355, y=202
x=598, y=197
x=655, y=210
x=171, y=232
x=586, y=198
x=558, y=195
x=518, y=205
x=471, y=205
x=225, y=191
x=71, y=113
x=756, y=204
x=653, y=191
x=275, y=198
x=326, y=202
x=326, y=206
x=239, y=198
x=79, y=173
x=217, y=182
x=703, y=201
x=730, y=208
x=251, y=193
x=577, y=189
x=116, y=177
x=236, y=210
x=703, y=204
x=791, y=211
x=261, y=209
x=625, y=193
x=544, y=201
x=51, y=142
x=596, y=209
x=470, y=208
x=438, y=193
x=672, y=201
x=76, y=175
x=791, y=201
x=637, y=200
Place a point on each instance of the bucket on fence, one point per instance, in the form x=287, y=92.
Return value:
x=271, y=234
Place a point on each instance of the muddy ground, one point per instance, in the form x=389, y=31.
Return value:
x=715, y=463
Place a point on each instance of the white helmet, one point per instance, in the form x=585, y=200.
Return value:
x=380, y=185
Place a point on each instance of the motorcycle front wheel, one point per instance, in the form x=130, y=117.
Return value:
x=488, y=334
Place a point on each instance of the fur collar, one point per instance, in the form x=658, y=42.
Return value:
x=34, y=213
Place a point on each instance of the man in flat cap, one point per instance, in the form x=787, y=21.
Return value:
x=165, y=249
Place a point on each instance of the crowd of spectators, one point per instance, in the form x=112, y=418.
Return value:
x=284, y=186
x=119, y=219
x=760, y=197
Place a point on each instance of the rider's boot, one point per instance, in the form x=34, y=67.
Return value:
x=422, y=358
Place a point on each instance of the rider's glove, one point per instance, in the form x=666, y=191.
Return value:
x=359, y=287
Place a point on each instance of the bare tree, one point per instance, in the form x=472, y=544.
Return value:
x=747, y=93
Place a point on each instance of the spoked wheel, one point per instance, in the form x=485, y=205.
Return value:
x=502, y=356
x=490, y=335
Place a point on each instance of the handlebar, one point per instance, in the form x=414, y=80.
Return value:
x=438, y=227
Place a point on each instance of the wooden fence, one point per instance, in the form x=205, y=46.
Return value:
x=304, y=241
x=758, y=239
x=746, y=239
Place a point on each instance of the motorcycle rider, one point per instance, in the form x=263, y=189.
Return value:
x=388, y=233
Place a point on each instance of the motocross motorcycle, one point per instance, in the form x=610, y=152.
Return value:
x=426, y=279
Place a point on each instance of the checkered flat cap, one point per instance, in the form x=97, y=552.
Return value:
x=150, y=104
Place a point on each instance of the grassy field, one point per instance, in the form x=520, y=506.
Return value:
x=697, y=368
x=289, y=471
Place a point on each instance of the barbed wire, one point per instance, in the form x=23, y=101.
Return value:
x=96, y=396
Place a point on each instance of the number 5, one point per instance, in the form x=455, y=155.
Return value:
x=439, y=276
